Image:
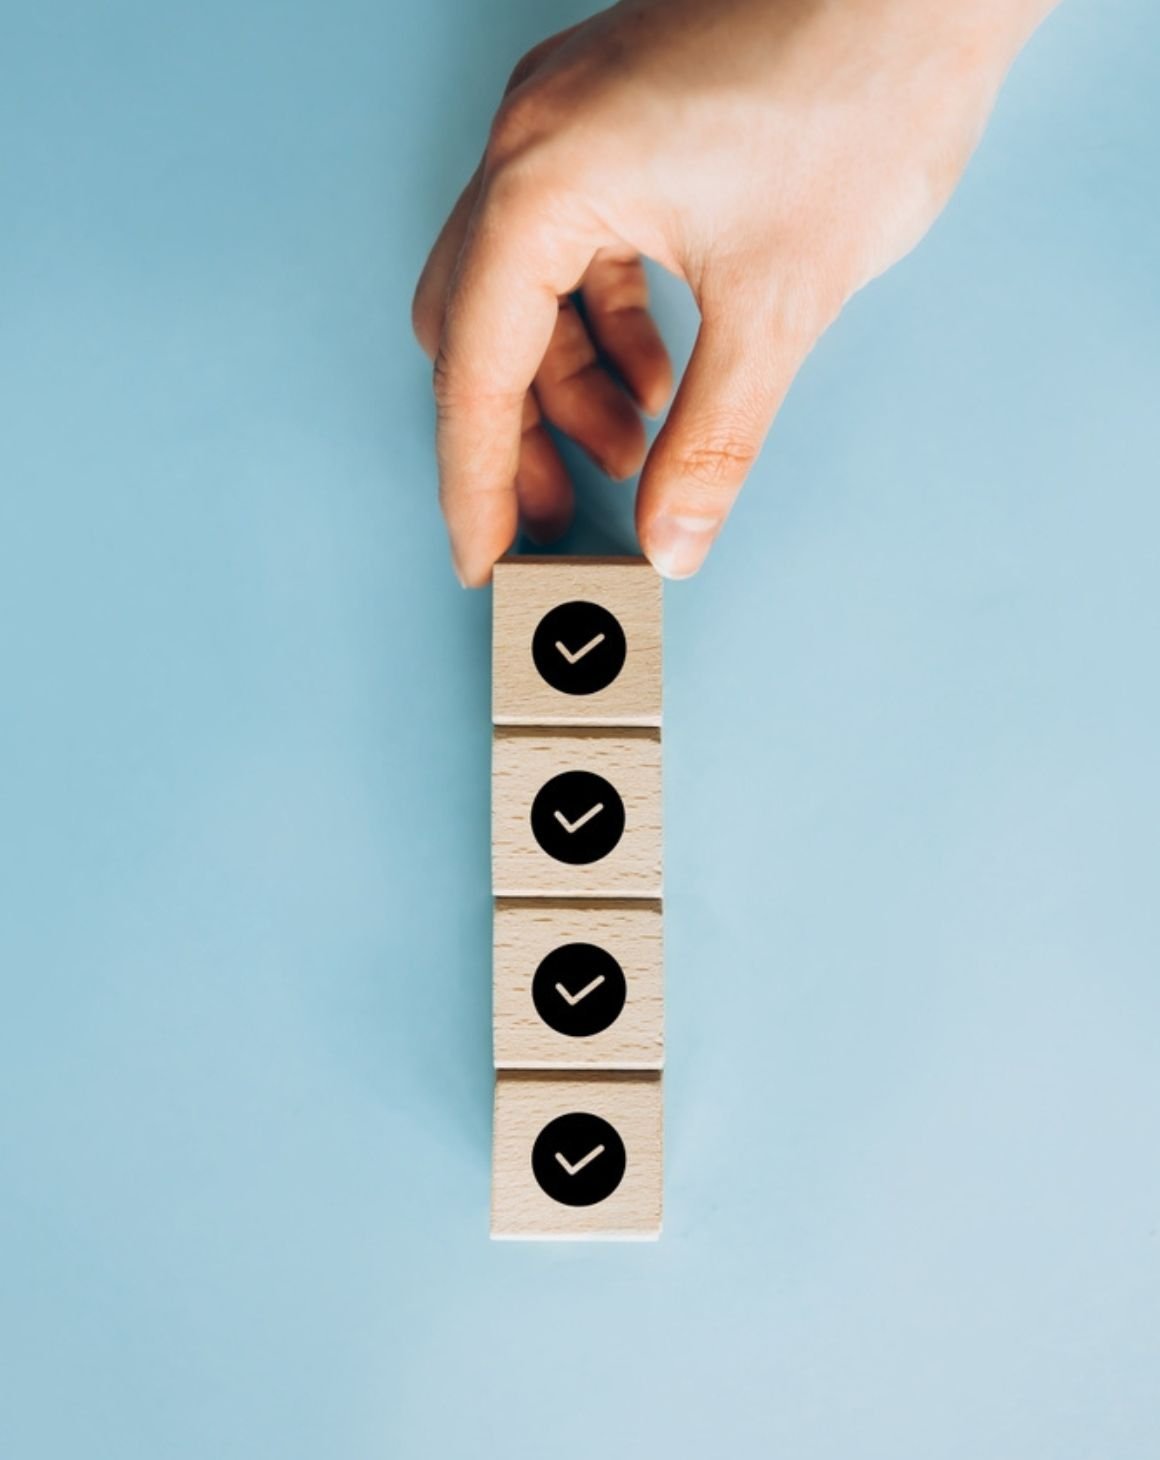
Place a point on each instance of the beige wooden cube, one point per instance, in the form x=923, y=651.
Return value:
x=577, y=1156
x=578, y=985
x=576, y=813
x=576, y=641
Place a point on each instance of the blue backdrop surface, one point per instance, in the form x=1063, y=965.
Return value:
x=912, y=799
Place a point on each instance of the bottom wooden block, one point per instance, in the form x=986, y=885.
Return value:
x=577, y=1155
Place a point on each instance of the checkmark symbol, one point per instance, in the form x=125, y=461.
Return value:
x=585, y=1180
x=577, y=817
x=573, y=826
x=580, y=653
x=574, y=999
x=583, y=1161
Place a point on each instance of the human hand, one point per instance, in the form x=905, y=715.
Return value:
x=774, y=154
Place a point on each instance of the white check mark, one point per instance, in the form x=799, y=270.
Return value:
x=580, y=653
x=583, y=1161
x=571, y=826
x=574, y=999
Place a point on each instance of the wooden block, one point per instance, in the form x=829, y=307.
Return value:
x=576, y=641
x=577, y=1156
x=576, y=813
x=578, y=985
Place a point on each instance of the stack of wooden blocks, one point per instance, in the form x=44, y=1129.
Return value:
x=576, y=872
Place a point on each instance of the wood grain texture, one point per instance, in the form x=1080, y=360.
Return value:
x=526, y=932
x=524, y=589
x=524, y=761
x=524, y=1104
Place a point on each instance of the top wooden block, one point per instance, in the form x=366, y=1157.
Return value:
x=576, y=641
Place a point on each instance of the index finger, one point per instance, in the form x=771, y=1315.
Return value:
x=516, y=262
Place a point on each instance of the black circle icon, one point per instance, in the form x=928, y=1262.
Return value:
x=578, y=1159
x=579, y=648
x=579, y=990
x=577, y=817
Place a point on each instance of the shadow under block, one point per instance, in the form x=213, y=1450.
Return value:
x=576, y=813
x=577, y=1156
x=578, y=985
x=576, y=641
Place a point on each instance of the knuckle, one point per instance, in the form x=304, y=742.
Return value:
x=519, y=121
x=718, y=461
x=508, y=196
x=441, y=378
x=524, y=68
x=458, y=390
x=451, y=391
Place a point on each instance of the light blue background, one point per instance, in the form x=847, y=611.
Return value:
x=912, y=786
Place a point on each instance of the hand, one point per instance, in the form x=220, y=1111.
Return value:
x=774, y=154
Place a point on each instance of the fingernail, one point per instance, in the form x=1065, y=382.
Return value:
x=676, y=546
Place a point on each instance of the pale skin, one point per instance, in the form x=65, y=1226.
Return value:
x=776, y=155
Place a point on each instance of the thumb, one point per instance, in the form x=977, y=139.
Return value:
x=741, y=368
